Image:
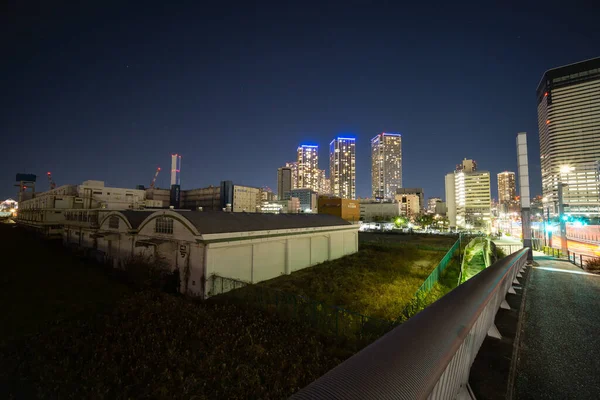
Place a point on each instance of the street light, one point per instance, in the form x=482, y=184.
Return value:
x=564, y=169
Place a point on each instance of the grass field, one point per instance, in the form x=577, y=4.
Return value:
x=68, y=330
x=378, y=281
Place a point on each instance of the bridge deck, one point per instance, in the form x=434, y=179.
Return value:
x=559, y=346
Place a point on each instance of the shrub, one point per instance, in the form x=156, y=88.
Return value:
x=151, y=271
x=593, y=265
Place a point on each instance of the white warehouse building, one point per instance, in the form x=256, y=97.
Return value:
x=249, y=247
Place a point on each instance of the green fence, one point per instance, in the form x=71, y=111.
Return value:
x=327, y=319
x=418, y=301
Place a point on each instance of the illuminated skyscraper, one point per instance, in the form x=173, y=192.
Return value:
x=468, y=197
x=507, y=187
x=324, y=183
x=308, y=167
x=284, y=182
x=294, y=167
x=386, y=165
x=569, y=126
x=342, y=167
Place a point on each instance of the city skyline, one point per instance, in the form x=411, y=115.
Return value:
x=131, y=99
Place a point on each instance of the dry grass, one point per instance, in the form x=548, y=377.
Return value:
x=378, y=281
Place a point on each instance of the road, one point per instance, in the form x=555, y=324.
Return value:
x=558, y=351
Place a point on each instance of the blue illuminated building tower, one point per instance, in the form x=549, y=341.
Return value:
x=342, y=167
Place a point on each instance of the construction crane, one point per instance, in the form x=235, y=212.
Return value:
x=51, y=181
x=154, y=179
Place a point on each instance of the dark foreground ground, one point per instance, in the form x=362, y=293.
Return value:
x=70, y=330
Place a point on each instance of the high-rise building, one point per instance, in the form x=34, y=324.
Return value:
x=294, y=167
x=324, y=183
x=432, y=204
x=284, y=181
x=412, y=191
x=467, y=165
x=342, y=167
x=569, y=127
x=468, y=197
x=507, y=187
x=386, y=165
x=308, y=167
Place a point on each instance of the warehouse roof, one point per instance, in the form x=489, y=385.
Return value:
x=226, y=222
x=135, y=218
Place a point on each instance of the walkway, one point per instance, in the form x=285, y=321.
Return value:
x=559, y=345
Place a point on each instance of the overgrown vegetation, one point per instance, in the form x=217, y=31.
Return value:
x=593, y=265
x=73, y=330
x=378, y=281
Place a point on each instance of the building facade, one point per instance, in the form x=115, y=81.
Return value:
x=410, y=204
x=342, y=167
x=307, y=198
x=370, y=212
x=308, y=167
x=507, y=192
x=412, y=191
x=344, y=208
x=284, y=182
x=469, y=199
x=324, y=183
x=569, y=128
x=432, y=204
x=204, y=246
x=386, y=165
x=507, y=187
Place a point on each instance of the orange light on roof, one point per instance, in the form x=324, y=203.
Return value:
x=545, y=94
x=547, y=121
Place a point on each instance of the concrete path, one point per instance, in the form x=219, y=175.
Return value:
x=559, y=344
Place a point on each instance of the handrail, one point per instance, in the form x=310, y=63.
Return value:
x=431, y=354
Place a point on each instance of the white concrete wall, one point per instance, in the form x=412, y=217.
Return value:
x=256, y=260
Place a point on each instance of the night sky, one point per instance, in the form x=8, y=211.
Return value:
x=108, y=91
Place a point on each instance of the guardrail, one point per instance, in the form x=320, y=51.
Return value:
x=579, y=259
x=431, y=354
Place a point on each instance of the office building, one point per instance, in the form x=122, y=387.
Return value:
x=410, y=204
x=468, y=197
x=569, y=128
x=412, y=191
x=467, y=165
x=284, y=181
x=308, y=167
x=386, y=165
x=373, y=211
x=307, y=197
x=342, y=167
x=343, y=208
x=432, y=203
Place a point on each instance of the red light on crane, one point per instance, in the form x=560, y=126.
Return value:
x=545, y=94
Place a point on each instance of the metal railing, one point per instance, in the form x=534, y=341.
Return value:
x=430, y=355
x=579, y=260
x=322, y=317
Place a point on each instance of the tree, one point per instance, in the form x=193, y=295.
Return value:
x=425, y=220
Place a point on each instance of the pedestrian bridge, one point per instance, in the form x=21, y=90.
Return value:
x=448, y=351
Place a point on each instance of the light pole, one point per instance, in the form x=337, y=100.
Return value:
x=564, y=169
